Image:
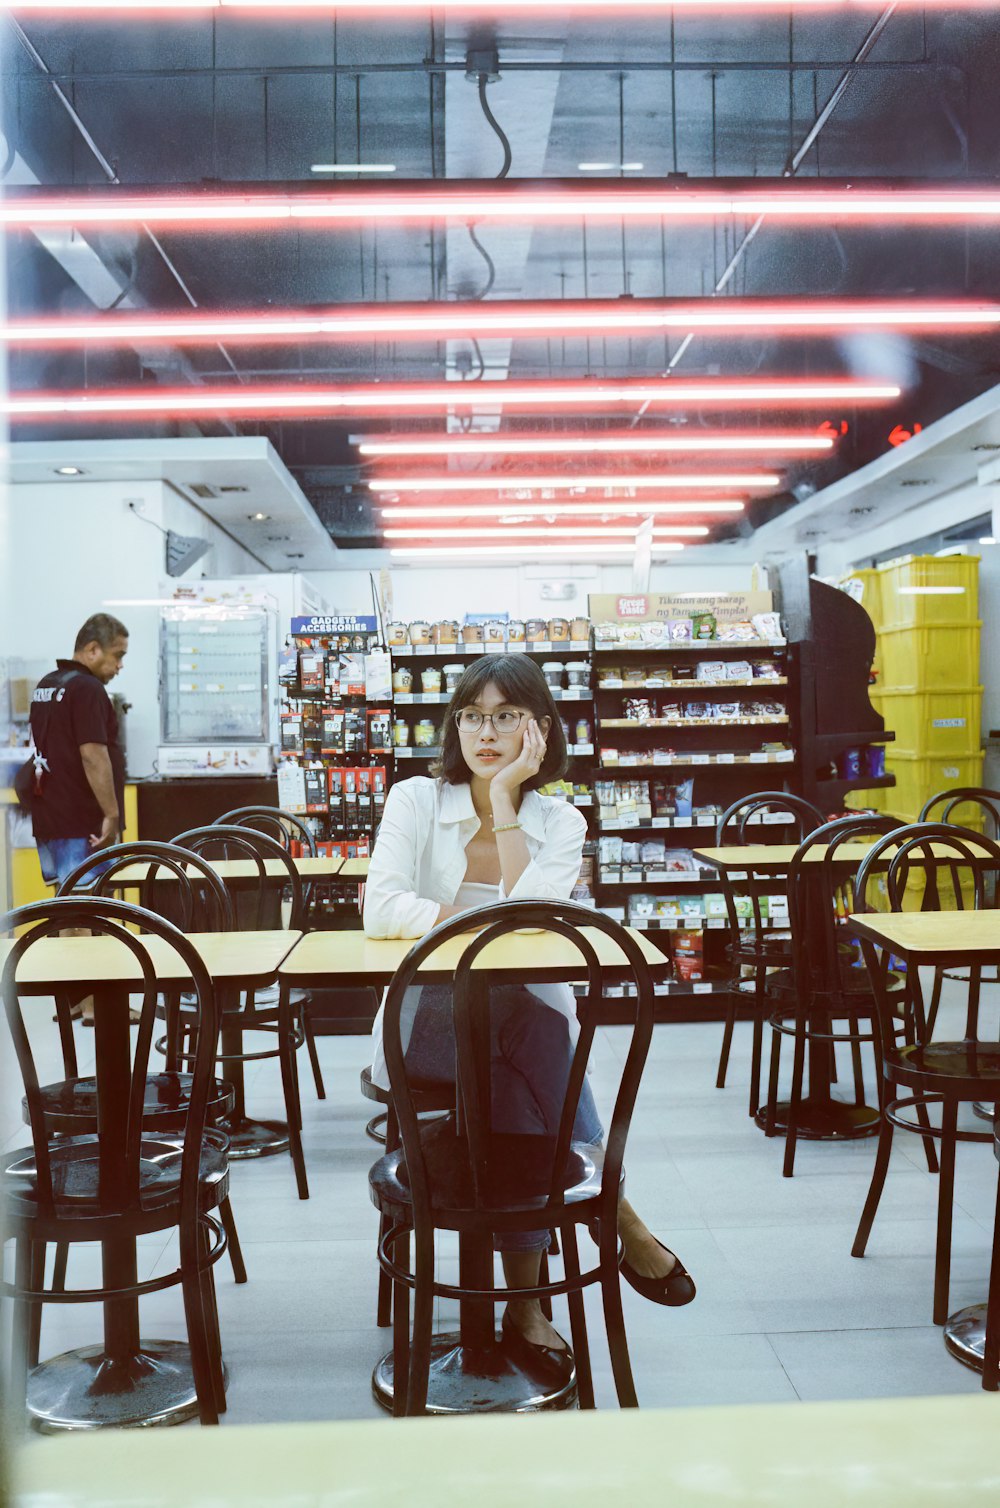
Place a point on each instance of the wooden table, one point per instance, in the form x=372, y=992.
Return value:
x=876, y=1453
x=469, y=1370
x=239, y=871
x=127, y=1380
x=354, y=869
x=942, y=939
x=776, y=858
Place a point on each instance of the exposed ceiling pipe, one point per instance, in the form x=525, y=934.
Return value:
x=791, y=167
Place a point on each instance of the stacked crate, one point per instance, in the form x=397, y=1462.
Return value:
x=925, y=612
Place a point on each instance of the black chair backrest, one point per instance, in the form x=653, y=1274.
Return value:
x=258, y=900
x=821, y=897
x=750, y=810
x=284, y=827
x=43, y=922
x=471, y=1020
x=961, y=804
x=177, y=884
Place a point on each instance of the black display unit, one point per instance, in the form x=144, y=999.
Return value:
x=168, y=805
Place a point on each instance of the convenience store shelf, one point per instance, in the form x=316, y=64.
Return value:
x=657, y=824
x=697, y=759
x=442, y=698
x=464, y=651
x=655, y=874
x=688, y=646
x=613, y=683
x=694, y=722
x=575, y=751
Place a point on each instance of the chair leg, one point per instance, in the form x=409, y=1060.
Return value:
x=423, y=1319
x=34, y=1326
x=795, y=1098
x=932, y=1009
x=286, y=1044
x=543, y=1277
x=192, y=1290
x=210, y=1308
x=991, y=1355
x=401, y=1329
x=614, y=1322
x=727, y=1042
x=772, y=1082
x=310, y=1039
x=20, y=1325
x=853, y=1027
x=578, y=1322
x=383, y=1314
x=946, y=1191
x=235, y=1250
x=756, y=1056
x=930, y=1150
x=59, y=1267
x=881, y=1168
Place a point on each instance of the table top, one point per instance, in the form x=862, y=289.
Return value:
x=354, y=869
x=878, y=1453
x=925, y=935
x=776, y=858
x=243, y=959
x=540, y=957
x=320, y=868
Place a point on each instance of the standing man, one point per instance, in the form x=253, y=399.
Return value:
x=79, y=798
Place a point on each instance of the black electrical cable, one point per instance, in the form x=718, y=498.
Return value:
x=491, y=265
x=483, y=81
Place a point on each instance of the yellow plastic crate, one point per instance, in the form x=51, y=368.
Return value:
x=917, y=590
x=870, y=581
x=928, y=659
x=933, y=722
x=918, y=778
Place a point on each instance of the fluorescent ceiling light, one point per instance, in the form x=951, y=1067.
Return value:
x=752, y=392
x=612, y=508
x=610, y=167
x=987, y=539
x=353, y=167
x=597, y=317
x=69, y=471
x=931, y=591
x=475, y=7
x=540, y=202
x=567, y=482
x=259, y=518
x=567, y=551
x=642, y=442
x=502, y=531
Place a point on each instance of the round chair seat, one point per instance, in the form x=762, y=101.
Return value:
x=71, y=1105
x=75, y=1171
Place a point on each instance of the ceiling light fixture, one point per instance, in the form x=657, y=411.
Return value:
x=611, y=508
x=931, y=591
x=746, y=392
x=610, y=167
x=987, y=539
x=69, y=471
x=513, y=200
x=599, y=317
x=353, y=167
x=527, y=531
x=567, y=551
x=259, y=518
x=567, y=482
x=634, y=442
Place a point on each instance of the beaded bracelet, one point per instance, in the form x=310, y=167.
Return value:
x=507, y=827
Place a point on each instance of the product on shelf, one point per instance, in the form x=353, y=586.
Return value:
x=452, y=675
x=578, y=673
x=430, y=679
x=444, y=632
x=402, y=678
x=553, y=671
x=688, y=950
x=400, y=733
x=424, y=734
x=515, y=630
x=420, y=632
x=397, y=634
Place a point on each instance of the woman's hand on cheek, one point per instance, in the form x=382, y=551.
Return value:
x=526, y=765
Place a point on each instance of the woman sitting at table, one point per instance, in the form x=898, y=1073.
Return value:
x=476, y=834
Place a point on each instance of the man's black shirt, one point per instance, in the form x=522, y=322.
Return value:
x=66, y=713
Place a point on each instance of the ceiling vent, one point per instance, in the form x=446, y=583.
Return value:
x=927, y=481
x=234, y=489
x=989, y=449
x=182, y=552
x=202, y=490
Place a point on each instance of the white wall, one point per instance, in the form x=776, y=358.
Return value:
x=452, y=591
x=72, y=547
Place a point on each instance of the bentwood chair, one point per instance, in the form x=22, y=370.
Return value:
x=922, y=1072
x=463, y=1174
x=288, y=830
x=131, y=1179
x=185, y=890
x=258, y=903
x=826, y=983
x=963, y=806
x=755, y=948
x=991, y=1352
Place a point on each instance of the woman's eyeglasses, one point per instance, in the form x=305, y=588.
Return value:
x=470, y=720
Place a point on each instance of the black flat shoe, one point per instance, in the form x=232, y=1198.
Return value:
x=676, y=1289
x=544, y=1363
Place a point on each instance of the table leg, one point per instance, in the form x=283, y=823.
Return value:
x=125, y=1381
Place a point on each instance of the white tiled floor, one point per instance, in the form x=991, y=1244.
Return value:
x=783, y=1310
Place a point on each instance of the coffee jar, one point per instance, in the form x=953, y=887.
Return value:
x=402, y=678
x=424, y=734
x=420, y=632
x=444, y=632
x=515, y=631
x=536, y=631
x=494, y=632
x=558, y=630
x=579, y=630
x=472, y=633
x=552, y=670
x=396, y=634
x=400, y=733
x=430, y=679
x=452, y=675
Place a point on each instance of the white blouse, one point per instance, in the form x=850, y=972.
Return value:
x=419, y=865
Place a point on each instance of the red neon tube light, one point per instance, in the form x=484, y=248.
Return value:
x=748, y=392
x=641, y=442
x=567, y=481
x=500, y=532
x=454, y=321
x=532, y=202
x=469, y=7
x=611, y=508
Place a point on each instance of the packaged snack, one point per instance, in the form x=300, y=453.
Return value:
x=767, y=625
x=679, y=630
x=703, y=626
x=680, y=861
x=680, y=673
x=715, y=905
x=739, y=632
x=766, y=670
x=639, y=709
x=609, y=849
x=515, y=631
x=697, y=709
x=849, y=764
x=671, y=711
x=536, y=631
x=729, y=709
x=630, y=633
x=420, y=632
x=688, y=954
x=875, y=761
x=710, y=670
x=640, y=908
x=494, y=632
x=444, y=632
x=579, y=630
x=558, y=630
x=652, y=852
x=473, y=633
x=739, y=670
x=653, y=633
x=604, y=633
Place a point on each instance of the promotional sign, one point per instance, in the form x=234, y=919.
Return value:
x=337, y=623
x=649, y=607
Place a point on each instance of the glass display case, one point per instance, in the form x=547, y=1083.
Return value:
x=214, y=695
